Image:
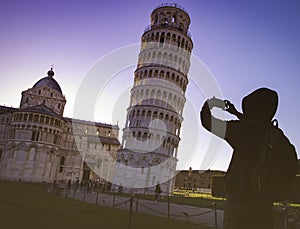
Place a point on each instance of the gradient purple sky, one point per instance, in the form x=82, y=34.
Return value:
x=245, y=44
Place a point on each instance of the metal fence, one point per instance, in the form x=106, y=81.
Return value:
x=286, y=217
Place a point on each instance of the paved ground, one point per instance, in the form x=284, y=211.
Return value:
x=176, y=211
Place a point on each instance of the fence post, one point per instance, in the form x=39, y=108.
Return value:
x=186, y=216
x=83, y=199
x=130, y=211
x=136, y=203
x=286, y=220
x=216, y=217
x=114, y=200
x=169, y=205
x=97, y=197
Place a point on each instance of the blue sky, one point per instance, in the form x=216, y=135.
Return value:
x=245, y=45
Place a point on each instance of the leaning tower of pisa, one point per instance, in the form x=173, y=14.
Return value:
x=152, y=131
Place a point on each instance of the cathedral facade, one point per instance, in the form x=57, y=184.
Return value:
x=38, y=144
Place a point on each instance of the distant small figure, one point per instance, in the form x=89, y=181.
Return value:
x=54, y=186
x=158, y=192
x=69, y=185
x=76, y=186
x=96, y=186
x=120, y=190
x=89, y=186
x=82, y=186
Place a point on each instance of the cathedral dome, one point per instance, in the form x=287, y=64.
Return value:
x=48, y=81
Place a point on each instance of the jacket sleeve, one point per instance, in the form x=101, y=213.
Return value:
x=212, y=124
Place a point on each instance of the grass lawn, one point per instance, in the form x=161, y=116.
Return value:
x=26, y=205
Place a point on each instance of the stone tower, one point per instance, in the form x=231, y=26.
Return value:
x=154, y=116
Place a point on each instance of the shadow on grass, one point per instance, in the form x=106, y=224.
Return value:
x=27, y=205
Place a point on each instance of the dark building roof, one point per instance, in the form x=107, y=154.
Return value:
x=41, y=109
x=4, y=109
x=104, y=140
x=98, y=124
x=48, y=81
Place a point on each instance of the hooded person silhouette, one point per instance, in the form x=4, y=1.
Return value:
x=243, y=209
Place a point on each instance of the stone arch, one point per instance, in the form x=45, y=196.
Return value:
x=173, y=38
x=156, y=36
x=161, y=74
x=171, y=118
x=164, y=97
x=133, y=134
x=182, y=42
x=150, y=73
x=155, y=161
x=179, y=64
x=168, y=75
x=32, y=153
x=139, y=135
x=22, y=146
x=167, y=117
x=152, y=94
x=162, y=35
x=165, y=58
x=62, y=161
x=148, y=58
x=149, y=113
x=173, y=77
x=158, y=94
x=161, y=115
x=131, y=159
x=170, y=59
x=143, y=113
x=159, y=58
x=168, y=36
x=152, y=36
x=147, y=92
x=145, y=136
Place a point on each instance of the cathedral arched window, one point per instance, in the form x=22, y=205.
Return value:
x=36, y=118
x=32, y=152
x=61, y=164
x=35, y=135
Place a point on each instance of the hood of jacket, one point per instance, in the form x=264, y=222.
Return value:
x=260, y=105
